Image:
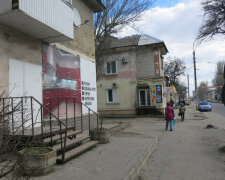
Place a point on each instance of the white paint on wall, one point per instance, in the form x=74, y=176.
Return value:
x=25, y=80
x=88, y=88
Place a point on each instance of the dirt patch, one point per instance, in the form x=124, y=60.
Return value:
x=210, y=126
x=117, y=129
x=222, y=149
x=132, y=134
x=199, y=117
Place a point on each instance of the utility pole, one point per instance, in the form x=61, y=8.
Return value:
x=196, y=88
x=188, y=87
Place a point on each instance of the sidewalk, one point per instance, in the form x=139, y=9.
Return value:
x=121, y=159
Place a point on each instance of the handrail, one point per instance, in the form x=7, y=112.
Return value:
x=49, y=112
x=99, y=117
x=63, y=145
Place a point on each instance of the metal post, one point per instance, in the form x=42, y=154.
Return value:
x=74, y=104
x=22, y=116
x=12, y=116
x=81, y=119
x=97, y=124
x=42, y=134
x=32, y=115
x=89, y=120
x=66, y=112
x=58, y=108
x=50, y=116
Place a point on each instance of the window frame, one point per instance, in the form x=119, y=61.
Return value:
x=111, y=68
x=107, y=96
x=147, y=101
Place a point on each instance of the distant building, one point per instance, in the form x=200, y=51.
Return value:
x=133, y=78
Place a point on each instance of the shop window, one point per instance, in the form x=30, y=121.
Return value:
x=144, y=97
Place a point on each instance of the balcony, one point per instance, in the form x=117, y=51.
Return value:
x=47, y=20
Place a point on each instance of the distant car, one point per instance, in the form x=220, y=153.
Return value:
x=188, y=102
x=204, y=106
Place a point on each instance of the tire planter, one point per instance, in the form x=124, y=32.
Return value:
x=37, y=160
x=104, y=136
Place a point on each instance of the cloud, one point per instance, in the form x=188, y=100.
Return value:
x=177, y=26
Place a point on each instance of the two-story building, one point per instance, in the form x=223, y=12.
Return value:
x=133, y=80
x=47, y=49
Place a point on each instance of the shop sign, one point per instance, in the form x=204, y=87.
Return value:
x=159, y=94
x=168, y=90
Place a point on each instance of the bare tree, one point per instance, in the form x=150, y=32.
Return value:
x=174, y=69
x=12, y=136
x=117, y=14
x=202, y=91
x=181, y=90
x=218, y=79
x=213, y=21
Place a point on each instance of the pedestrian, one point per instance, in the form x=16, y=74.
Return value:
x=169, y=116
x=182, y=111
x=171, y=102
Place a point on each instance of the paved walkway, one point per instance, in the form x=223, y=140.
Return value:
x=120, y=159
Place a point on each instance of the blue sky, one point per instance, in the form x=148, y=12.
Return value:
x=166, y=3
x=176, y=22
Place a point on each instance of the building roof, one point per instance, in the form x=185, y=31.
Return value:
x=135, y=40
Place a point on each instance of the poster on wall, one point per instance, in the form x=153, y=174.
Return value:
x=88, y=85
x=159, y=94
x=61, y=81
x=153, y=93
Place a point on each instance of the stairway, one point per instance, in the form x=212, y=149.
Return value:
x=76, y=144
x=68, y=136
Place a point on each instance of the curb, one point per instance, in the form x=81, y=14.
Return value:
x=139, y=165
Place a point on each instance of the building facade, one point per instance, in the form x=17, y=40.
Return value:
x=47, y=50
x=133, y=80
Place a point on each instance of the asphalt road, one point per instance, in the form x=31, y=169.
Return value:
x=218, y=108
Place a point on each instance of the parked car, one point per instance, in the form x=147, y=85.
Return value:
x=204, y=106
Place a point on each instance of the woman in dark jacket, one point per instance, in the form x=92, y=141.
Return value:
x=169, y=116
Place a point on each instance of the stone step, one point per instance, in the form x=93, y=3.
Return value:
x=57, y=137
x=70, y=143
x=77, y=151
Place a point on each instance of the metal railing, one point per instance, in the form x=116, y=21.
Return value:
x=74, y=113
x=24, y=118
